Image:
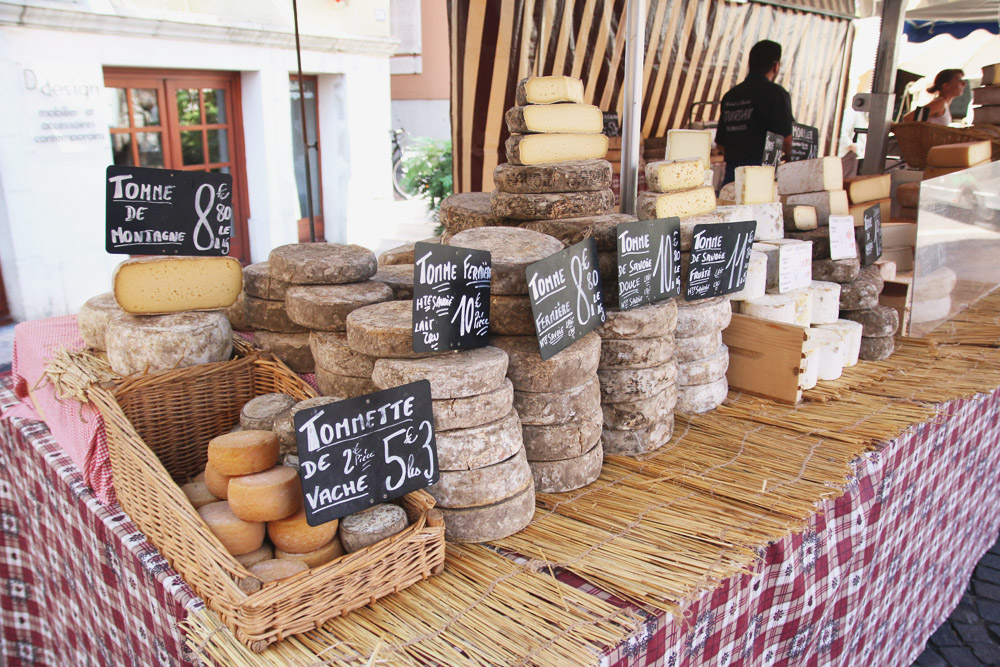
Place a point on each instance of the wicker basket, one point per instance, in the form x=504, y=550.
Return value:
x=917, y=138
x=158, y=428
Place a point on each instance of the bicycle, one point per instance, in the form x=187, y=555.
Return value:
x=399, y=157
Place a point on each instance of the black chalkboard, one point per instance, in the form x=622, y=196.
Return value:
x=649, y=261
x=366, y=450
x=612, y=127
x=869, y=235
x=567, y=299
x=720, y=256
x=805, y=142
x=168, y=212
x=773, y=143
x=451, y=297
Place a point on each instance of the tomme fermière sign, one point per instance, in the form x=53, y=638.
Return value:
x=451, y=297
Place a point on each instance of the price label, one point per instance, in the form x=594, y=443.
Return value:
x=720, y=258
x=843, y=245
x=451, y=297
x=649, y=261
x=772, y=149
x=869, y=235
x=805, y=142
x=168, y=212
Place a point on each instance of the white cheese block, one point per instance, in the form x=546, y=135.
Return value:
x=822, y=173
x=850, y=332
x=991, y=74
x=674, y=175
x=697, y=318
x=863, y=189
x=94, y=317
x=769, y=218
x=773, y=307
x=548, y=90
x=809, y=370
x=756, y=284
x=709, y=178
x=986, y=95
x=754, y=185
x=543, y=148
x=683, y=144
x=800, y=218
x=963, y=155
x=584, y=118
x=703, y=371
x=825, y=302
x=803, y=305
x=160, y=285
x=698, y=398
x=830, y=352
x=789, y=264
x=652, y=205
x=149, y=344
x=886, y=268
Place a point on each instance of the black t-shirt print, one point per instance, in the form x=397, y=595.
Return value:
x=749, y=111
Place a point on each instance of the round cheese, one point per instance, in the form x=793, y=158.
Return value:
x=937, y=284
x=836, y=270
x=367, y=527
x=455, y=413
x=266, y=496
x=569, y=176
x=292, y=349
x=198, y=494
x=930, y=310
x=399, y=278
x=697, y=318
x=703, y=371
x=326, y=553
x=558, y=407
x=216, y=483
x=259, y=413
x=321, y=263
x=697, y=347
x=511, y=249
x=467, y=210
x=773, y=307
x=876, y=322
x=552, y=205
x=490, y=522
x=850, y=332
x=330, y=350
x=454, y=375
x=636, y=352
x=640, y=413
x=236, y=535
x=294, y=534
x=273, y=570
x=326, y=307
x=809, y=371
x=568, y=474
x=570, y=231
x=284, y=424
x=482, y=486
x=479, y=446
x=829, y=353
x=345, y=386
x=510, y=315
x=627, y=384
x=654, y=320
x=258, y=282
x=562, y=441
x=237, y=314
x=803, y=305
x=94, y=317
x=877, y=349
x=402, y=254
x=569, y=368
x=383, y=330
x=153, y=343
x=825, y=302
x=270, y=316
x=266, y=552
x=638, y=441
x=242, y=453
x=702, y=397
x=862, y=294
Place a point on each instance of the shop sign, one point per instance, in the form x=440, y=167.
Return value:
x=63, y=107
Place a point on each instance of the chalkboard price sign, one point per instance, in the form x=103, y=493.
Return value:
x=366, y=450
x=649, y=261
x=168, y=212
x=451, y=297
x=720, y=256
x=567, y=299
x=805, y=142
x=612, y=127
x=772, y=149
x=870, y=236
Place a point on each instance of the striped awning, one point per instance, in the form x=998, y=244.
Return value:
x=695, y=52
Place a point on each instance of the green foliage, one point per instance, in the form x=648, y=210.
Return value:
x=428, y=171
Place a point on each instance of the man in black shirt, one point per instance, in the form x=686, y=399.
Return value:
x=752, y=109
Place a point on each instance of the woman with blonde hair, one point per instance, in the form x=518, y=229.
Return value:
x=948, y=84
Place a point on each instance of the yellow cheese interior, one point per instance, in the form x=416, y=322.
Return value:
x=959, y=155
x=899, y=234
x=549, y=89
x=754, y=185
x=868, y=188
x=564, y=118
x=858, y=211
x=541, y=148
x=676, y=175
x=176, y=284
x=683, y=144
x=686, y=202
x=991, y=75
x=805, y=217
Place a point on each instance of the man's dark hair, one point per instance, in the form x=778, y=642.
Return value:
x=763, y=56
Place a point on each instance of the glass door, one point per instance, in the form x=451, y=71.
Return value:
x=299, y=152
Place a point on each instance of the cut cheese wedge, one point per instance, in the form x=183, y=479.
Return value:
x=858, y=211
x=827, y=202
x=959, y=155
x=682, y=144
x=549, y=89
x=652, y=205
x=754, y=185
x=862, y=189
x=161, y=285
x=555, y=118
x=822, y=173
x=987, y=95
x=674, y=175
x=800, y=218
x=559, y=147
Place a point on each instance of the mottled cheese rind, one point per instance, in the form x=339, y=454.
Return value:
x=267, y=315
x=456, y=375
x=467, y=210
x=636, y=352
x=570, y=176
x=94, y=317
x=702, y=397
x=331, y=383
x=161, y=285
x=650, y=321
x=331, y=351
x=640, y=413
x=322, y=263
x=510, y=315
x=490, y=522
x=703, y=371
x=876, y=322
x=698, y=347
x=482, y=486
x=383, y=330
x=876, y=349
x=829, y=353
x=850, y=332
x=326, y=307
x=292, y=349
x=511, y=250
x=399, y=278
x=773, y=307
x=456, y=413
x=260, y=412
x=568, y=474
x=284, y=424
x=258, y=282
x=629, y=384
x=552, y=205
x=836, y=270
x=697, y=318
x=149, y=344
x=602, y=228
x=756, y=281
x=558, y=407
x=479, y=446
x=549, y=90
x=569, y=368
x=363, y=529
x=402, y=254
x=528, y=149
x=863, y=292
x=562, y=441
x=638, y=441
x=825, y=302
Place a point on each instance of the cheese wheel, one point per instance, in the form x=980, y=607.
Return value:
x=569, y=176
x=330, y=350
x=559, y=407
x=455, y=413
x=562, y=441
x=639, y=441
x=479, y=446
x=930, y=310
x=802, y=298
x=345, y=386
x=697, y=318
x=455, y=375
x=367, y=527
x=829, y=353
x=809, y=369
x=641, y=412
x=198, y=494
x=270, y=316
x=511, y=250
x=294, y=534
x=467, y=210
x=702, y=397
x=510, y=315
x=490, y=522
x=237, y=314
x=258, y=282
x=819, y=237
x=482, y=486
x=266, y=552
x=877, y=322
x=399, y=278
x=236, y=535
x=570, y=231
x=862, y=294
x=908, y=194
x=697, y=347
x=627, y=384
x=937, y=284
x=383, y=330
x=555, y=147
x=259, y=413
x=161, y=285
x=703, y=371
x=284, y=424
x=850, y=333
x=541, y=118
x=773, y=307
x=216, y=483
x=292, y=349
x=568, y=474
x=321, y=263
x=650, y=321
x=825, y=302
x=94, y=317
x=569, y=368
x=636, y=352
x=552, y=205
x=242, y=453
x=756, y=282
x=326, y=307
x=153, y=343
x=326, y=553
x=836, y=270
x=266, y=496
x=682, y=203
x=275, y=569
x=402, y=254
x=877, y=349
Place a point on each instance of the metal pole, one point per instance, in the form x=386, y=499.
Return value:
x=305, y=137
x=883, y=82
x=635, y=43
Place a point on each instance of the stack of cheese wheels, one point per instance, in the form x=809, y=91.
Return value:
x=638, y=373
x=702, y=357
x=859, y=303
x=818, y=183
x=987, y=97
x=469, y=210
x=264, y=314
x=932, y=295
x=171, y=313
x=866, y=191
x=395, y=269
x=485, y=489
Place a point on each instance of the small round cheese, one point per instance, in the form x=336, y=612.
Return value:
x=825, y=302
x=850, y=332
x=568, y=474
x=455, y=413
x=243, y=453
x=773, y=307
x=326, y=307
x=836, y=270
x=198, y=494
x=216, y=483
x=877, y=322
x=94, y=317
x=697, y=347
x=702, y=397
x=259, y=413
x=321, y=263
x=237, y=536
x=367, y=527
x=930, y=310
x=266, y=496
x=756, y=282
x=454, y=375
x=829, y=353
x=153, y=343
x=272, y=570
x=326, y=553
x=294, y=534
x=862, y=294
x=877, y=349
x=937, y=284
